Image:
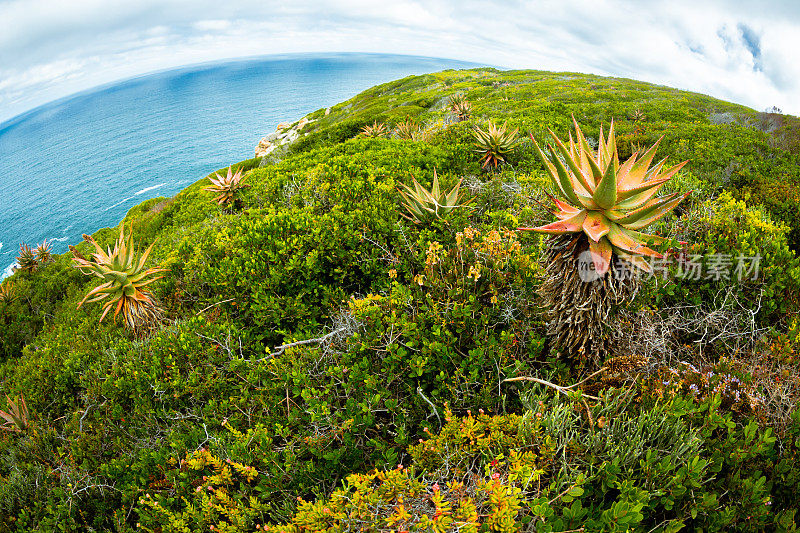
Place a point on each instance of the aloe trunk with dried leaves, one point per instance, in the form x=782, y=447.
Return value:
x=582, y=308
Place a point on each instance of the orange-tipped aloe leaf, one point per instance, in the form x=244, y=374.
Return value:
x=573, y=224
x=672, y=171
x=635, y=260
x=586, y=188
x=601, y=255
x=626, y=198
x=628, y=244
x=649, y=207
x=107, y=308
x=595, y=225
x=567, y=185
x=625, y=168
x=639, y=170
x=645, y=238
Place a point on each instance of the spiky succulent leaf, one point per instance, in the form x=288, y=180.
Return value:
x=17, y=418
x=406, y=130
x=43, y=252
x=460, y=106
x=605, y=195
x=26, y=260
x=601, y=251
x=8, y=292
x=605, y=200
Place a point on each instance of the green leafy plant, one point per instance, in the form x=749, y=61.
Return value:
x=124, y=275
x=495, y=144
x=424, y=205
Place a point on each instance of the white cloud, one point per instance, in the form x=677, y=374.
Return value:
x=51, y=48
x=212, y=25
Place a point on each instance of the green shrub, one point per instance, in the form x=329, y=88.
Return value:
x=728, y=241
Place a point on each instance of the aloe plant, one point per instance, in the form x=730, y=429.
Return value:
x=124, y=277
x=460, y=106
x=43, y=252
x=406, y=130
x=17, y=418
x=601, y=206
x=8, y=292
x=495, y=144
x=374, y=130
x=226, y=186
x=26, y=260
x=424, y=205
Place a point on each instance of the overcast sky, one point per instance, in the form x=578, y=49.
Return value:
x=744, y=51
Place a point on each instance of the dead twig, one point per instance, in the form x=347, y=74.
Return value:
x=562, y=389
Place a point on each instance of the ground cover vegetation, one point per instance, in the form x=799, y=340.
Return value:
x=356, y=334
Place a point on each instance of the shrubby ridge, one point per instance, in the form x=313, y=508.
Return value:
x=351, y=332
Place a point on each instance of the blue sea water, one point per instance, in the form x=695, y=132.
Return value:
x=78, y=164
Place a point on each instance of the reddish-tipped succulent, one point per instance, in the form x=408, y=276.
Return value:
x=227, y=186
x=43, y=252
x=8, y=292
x=495, y=143
x=374, y=130
x=17, y=418
x=406, y=130
x=124, y=276
x=26, y=260
x=607, y=201
x=460, y=106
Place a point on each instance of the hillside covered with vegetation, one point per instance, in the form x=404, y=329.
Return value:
x=314, y=344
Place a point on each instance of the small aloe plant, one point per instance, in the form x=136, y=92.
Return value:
x=17, y=418
x=26, y=260
x=124, y=277
x=460, y=107
x=495, y=143
x=43, y=252
x=8, y=292
x=406, y=130
x=424, y=205
x=374, y=130
x=227, y=186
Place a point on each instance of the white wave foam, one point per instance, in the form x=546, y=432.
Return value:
x=58, y=239
x=137, y=193
x=118, y=203
x=8, y=271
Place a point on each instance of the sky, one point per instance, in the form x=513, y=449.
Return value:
x=743, y=51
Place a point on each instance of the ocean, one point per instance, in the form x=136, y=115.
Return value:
x=79, y=164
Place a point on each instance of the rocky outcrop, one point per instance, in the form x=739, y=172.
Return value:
x=283, y=135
